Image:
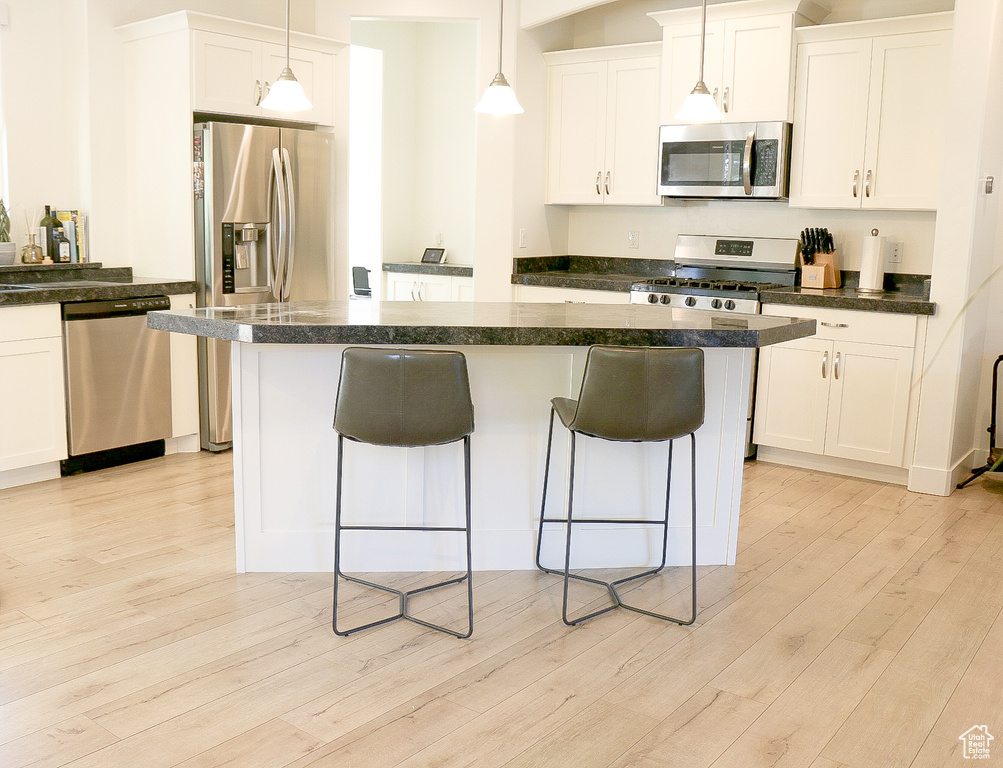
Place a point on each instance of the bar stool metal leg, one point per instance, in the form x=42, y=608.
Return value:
x=404, y=595
x=612, y=586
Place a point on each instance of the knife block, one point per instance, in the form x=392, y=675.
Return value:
x=824, y=273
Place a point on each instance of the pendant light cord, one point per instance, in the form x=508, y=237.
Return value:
x=287, y=39
x=501, y=27
x=703, y=36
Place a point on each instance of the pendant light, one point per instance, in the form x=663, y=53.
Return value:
x=499, y=98
x=699, y=106
x=286, y=94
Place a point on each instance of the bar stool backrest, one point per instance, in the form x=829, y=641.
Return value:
x=403, y=397
x=641, y=394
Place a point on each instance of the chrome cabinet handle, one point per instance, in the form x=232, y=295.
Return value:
x=607, y=182
x=856, y=182
x=257, y=93
x=414, y=285
x=835, y=367
x=750, y=138
x=825, y=363
x=834, y=325
x=867, y=185
x=715, y=94
x=725, y=102
x=598, y=182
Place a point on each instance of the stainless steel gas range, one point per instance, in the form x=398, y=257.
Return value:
x=723, y=274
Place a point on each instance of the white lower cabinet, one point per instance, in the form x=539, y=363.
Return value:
x=404, y=286
x=839, y=394
x=547, y=294
x=32, y=403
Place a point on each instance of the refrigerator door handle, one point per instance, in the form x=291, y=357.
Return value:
x=291, y=226
x=277, y=251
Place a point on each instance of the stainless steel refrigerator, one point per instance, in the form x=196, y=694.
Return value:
x=263, y=233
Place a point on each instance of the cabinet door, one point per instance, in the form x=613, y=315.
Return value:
x=315, y=72
x=681, y=65
x=226, y=74
x=631, y=170
x=792, y=394
x=905, y=125
x=576, y=133
x=830, y=105
x=869, y=402
x=462, y=289
x=32, y=403
x=401, y=287
x=757, y=80
x=435, y=288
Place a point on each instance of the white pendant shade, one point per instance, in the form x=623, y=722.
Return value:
x=286, y=95
x=699, y=107
x=499, y=99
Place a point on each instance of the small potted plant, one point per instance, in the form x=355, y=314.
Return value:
x=8, y=250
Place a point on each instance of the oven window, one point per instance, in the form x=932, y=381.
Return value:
x=702, y=163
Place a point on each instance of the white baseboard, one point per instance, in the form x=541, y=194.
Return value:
x=183, y=444
x=12, y=478
x=848, y=467
x=940, y=482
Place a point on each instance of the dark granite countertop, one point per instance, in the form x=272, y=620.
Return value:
x=22, y=284
x=418, y=268
x=476, y=323
x=904, y=295
x=596, y=273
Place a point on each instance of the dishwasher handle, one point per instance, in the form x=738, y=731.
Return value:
x=93, y=310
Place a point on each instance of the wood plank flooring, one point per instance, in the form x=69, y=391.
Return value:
x=861, y=628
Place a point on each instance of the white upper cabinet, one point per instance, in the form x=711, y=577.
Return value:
x=232, y=62
x=748, y=58
x=603, y=125
x=867, y=107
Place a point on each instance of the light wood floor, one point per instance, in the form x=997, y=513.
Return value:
x=861, y=628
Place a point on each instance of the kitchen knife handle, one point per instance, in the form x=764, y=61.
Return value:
x=835, y=367
x=856, y=182
x=825, y=363
x=867, y=185
x=724, y=102
x=607, y=182
x=598, y=182
x=750, y=138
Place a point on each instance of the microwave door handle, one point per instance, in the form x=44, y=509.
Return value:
x=291, y=228
x=747, y=162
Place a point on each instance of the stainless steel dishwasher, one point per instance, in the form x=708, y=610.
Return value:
x=118, y=382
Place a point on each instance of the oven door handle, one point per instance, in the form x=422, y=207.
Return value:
x=747, y=162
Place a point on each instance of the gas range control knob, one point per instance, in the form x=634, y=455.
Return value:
x=652, y=298
x=665, y=298
x=690, y=301
x=716, y=304
x=729, y=304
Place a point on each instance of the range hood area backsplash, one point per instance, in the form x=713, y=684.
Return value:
x=602, y=231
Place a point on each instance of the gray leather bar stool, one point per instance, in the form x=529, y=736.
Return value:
x=404, y=398
x=630, y=394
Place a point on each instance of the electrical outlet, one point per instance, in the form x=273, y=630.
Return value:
x=633, y=238
x=894, y=253
x=522, y=238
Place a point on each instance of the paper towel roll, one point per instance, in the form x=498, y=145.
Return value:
x=872, y=264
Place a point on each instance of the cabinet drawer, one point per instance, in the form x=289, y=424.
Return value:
x=35, y=321
x=853, y=325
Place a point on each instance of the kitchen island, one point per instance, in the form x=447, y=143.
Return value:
x=286, y=360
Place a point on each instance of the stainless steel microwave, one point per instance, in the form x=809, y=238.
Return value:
x=729, y=160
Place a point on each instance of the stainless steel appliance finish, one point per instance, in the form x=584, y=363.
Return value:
x=731, y=160
x=723, y=274
x=263, y=213
x=118, y=374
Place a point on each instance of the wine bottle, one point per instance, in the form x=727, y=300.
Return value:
x=45, y=225
x=59, y=240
